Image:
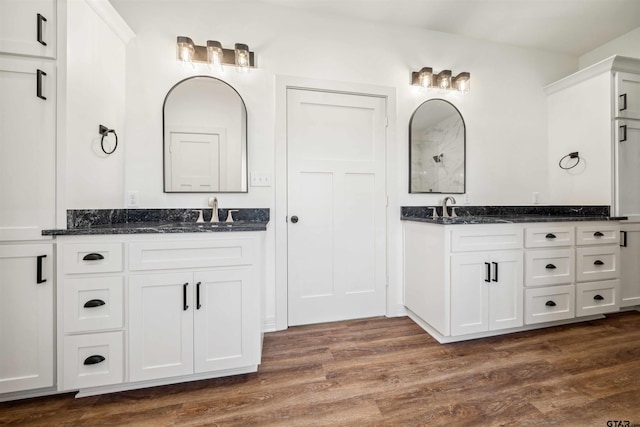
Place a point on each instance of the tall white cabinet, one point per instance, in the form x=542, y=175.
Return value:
x=596, y=112
x=27, y=193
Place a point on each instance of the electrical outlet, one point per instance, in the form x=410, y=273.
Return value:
x=535, y=196
x=260, y=179
x=133, y=198
x=465, y=199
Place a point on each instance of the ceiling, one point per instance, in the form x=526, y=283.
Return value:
x=571, y=27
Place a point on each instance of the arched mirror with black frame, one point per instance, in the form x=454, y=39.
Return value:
x=437, y=151
x=205, y=137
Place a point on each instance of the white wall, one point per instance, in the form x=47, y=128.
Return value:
x=505, y=112
x=95, y=95
x=625, y=45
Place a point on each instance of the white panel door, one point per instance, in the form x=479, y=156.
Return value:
x=26, y=317
x=195, y=162
x=226, y=320
x=336, y=191
x=160, y=326
x=27, y=148
x=28, y=27
x=627, y=134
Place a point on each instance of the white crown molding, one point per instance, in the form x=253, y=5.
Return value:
x=112, y=18
x=613, y=63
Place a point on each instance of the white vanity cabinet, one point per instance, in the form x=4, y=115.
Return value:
x=465, y=280
x=26, y=317
x=472, y=281
x=486, y=285
x=91, y=308
x=163, y=308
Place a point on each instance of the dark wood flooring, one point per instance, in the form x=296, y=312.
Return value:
x=389, y=372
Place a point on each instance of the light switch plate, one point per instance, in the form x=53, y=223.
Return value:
x=260, y=179
x=133, y=198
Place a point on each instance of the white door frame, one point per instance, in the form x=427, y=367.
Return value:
x=394, y=295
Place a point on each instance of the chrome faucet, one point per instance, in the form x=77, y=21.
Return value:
x=213, y=202
x=445, y=213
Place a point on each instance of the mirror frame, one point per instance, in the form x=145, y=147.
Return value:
x=464, y=149
x=164, y=142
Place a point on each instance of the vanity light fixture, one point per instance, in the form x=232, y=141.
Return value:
x=214, y=54
x=426, y=78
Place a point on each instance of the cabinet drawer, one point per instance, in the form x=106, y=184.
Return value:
x=190, y=254
x=549, y=237
x=549, y=304
x=100, y=257
x=486, y=239
x=549, y=267
x=93, y=360
x=597, y=297
x=597, y=263
x=597, y=234
x=92, y=304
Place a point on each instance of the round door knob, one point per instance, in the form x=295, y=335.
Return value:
x=294, y=219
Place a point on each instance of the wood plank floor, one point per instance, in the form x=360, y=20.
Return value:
x=388, y=372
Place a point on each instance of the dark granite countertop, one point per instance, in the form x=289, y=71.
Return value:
x=161, y=221
x=508, y=214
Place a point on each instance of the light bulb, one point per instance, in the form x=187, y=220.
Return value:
x=185, y=50
x=214, y=55
x=242, y=57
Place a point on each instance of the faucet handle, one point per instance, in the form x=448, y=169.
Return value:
x=229, y=216
x=200, y=217
x=453, y=212
x=435, y=213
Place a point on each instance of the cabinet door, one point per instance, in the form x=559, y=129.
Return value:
x=28, y=27
x=486, y=292
x=27, y=148
x=505, y=290
x=470, y=281
x=630, y=268
x=627, y=176
x=26, y=317
x=160, y=325
x=227, y=320
x=627, y=102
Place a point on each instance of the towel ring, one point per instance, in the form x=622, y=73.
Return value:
x=104, y=131
x=573, y=155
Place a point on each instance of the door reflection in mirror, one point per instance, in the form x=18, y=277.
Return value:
x=205, y=137
x=437, y=149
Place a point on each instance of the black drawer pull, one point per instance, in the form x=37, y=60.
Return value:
x=39, y=75
x=39, y=278
x=550, y=304
x=550, y=267
x=598, y=262
x=94, y=303
x=598, y=234
x=623, y=102
x=495, y=272
x=185, y=307
x=624, y=239
x=598, y=298
x=623, y=133
x=198, y=305
x=550, y=236
x=487, y=277
x=41, y=19
x=92, y=257
x=95, y=359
